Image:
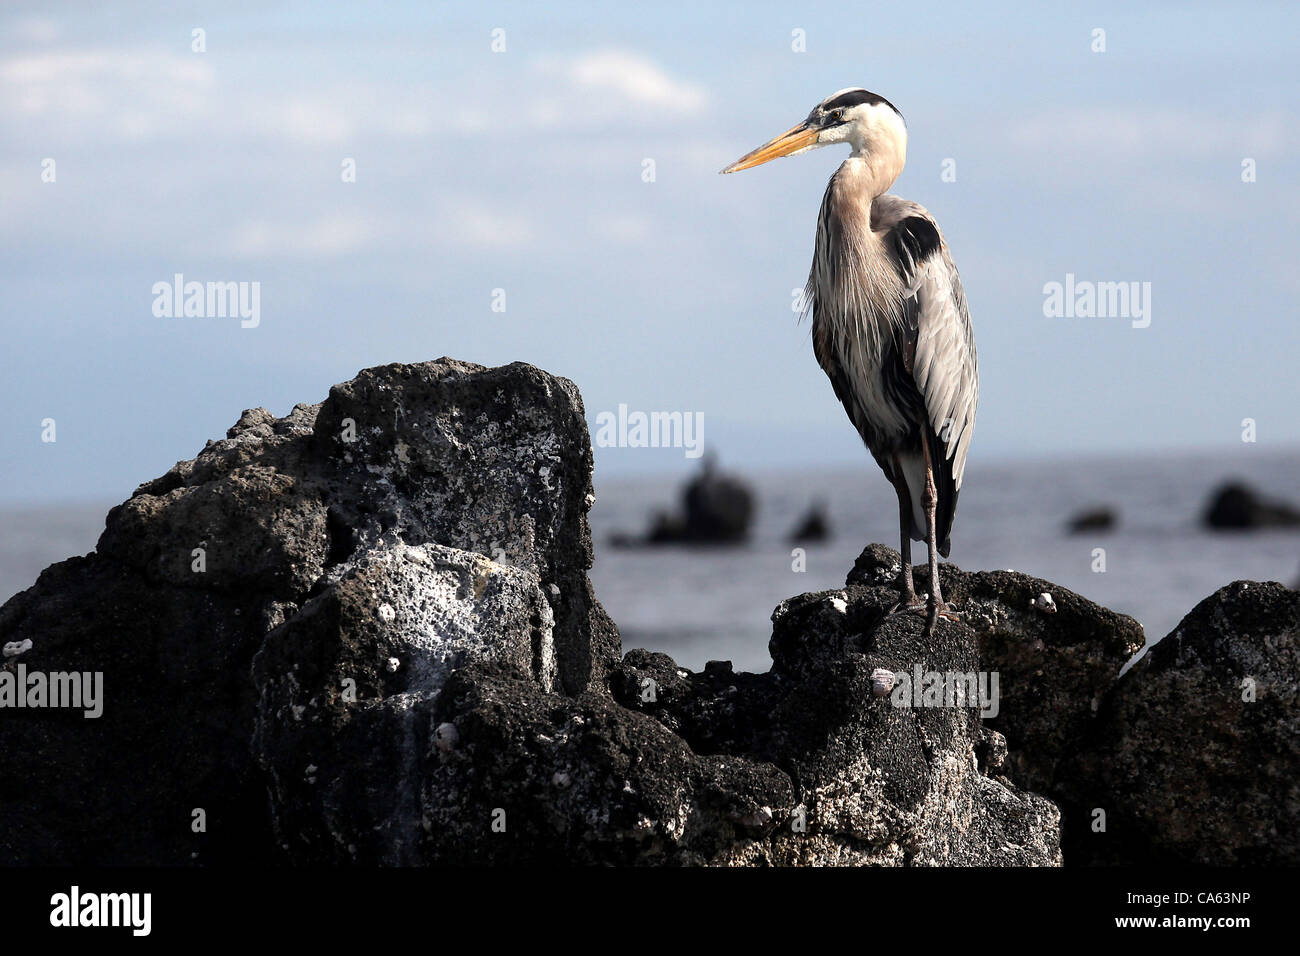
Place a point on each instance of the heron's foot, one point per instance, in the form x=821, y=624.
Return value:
x=908, y=603
x=936, y=610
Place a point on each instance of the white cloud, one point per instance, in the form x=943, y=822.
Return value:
x=101, y=95
x=101, y=87
x=636, y=79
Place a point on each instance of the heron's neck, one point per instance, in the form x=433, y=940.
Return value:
x=879, y=168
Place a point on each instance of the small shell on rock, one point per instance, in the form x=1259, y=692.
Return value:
x=14, y=648
x=882, y=681
x=393, y=665
x=446, y=737
x=1044, y=603
x=386, y=613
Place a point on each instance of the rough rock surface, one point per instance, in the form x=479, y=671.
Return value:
x=364, y=633
x=1054, y=665
x=1196, y=753
x=195, y=570
x=1182, y=767
x=802, y=765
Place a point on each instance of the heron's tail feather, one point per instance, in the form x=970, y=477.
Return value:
x=944, y=484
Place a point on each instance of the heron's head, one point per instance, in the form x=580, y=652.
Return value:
x=866, y=121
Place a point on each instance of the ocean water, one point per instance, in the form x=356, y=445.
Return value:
x=707, y=604
x=701, y=604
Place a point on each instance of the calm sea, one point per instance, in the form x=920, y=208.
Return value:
x=706, y=604
x=699, y=605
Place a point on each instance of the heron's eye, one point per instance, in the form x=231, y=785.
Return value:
x=837, y=116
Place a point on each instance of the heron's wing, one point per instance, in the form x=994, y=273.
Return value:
x=943, y=357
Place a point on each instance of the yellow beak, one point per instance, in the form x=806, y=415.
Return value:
x=791, y=141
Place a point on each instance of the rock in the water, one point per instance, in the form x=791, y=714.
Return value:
x=1238, y=506
x=1094, y=519
x=717, y=508
x=814, y=526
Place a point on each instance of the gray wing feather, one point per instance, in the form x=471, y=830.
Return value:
x=944, y=364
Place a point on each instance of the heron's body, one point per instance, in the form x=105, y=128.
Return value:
x=880, y=272
x=891, y=327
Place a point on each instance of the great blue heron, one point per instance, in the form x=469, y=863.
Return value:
x=890, y=325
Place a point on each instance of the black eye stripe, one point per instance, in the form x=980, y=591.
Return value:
x=851, y=98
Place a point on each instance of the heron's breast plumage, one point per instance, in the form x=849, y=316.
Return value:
x=859, y=325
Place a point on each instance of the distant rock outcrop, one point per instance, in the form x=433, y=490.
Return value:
x=716, y=508
x=1094, y=519
x=364, y=634
x=1237, y=506
x=813, y=527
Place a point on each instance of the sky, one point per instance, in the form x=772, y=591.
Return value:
x=562, y=161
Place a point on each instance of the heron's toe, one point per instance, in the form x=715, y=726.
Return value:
x=939, y=609
x=914, y=606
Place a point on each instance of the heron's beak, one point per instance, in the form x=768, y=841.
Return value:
x=793, y=140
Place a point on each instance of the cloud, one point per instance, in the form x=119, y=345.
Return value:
x=236, y=157
x=635, y=79
x=101, y=95
x=107, y=90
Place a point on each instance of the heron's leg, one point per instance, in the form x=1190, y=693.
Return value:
x=906, y=590
x=930, y=499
